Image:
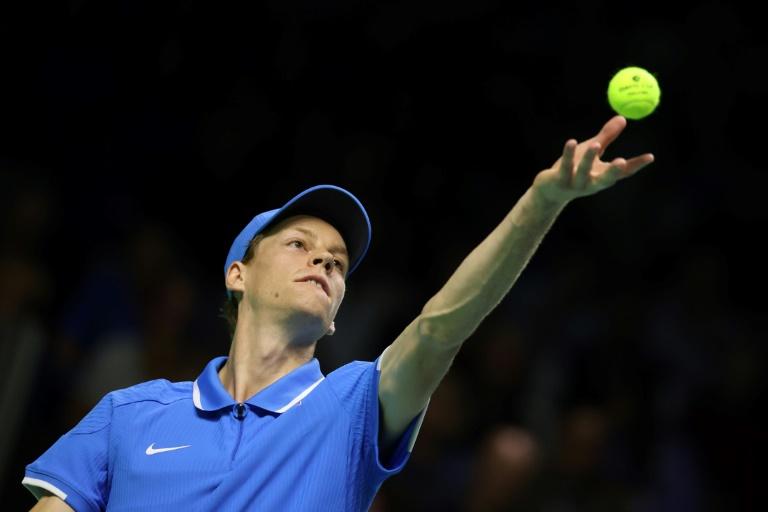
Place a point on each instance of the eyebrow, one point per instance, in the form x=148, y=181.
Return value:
x=311, y=234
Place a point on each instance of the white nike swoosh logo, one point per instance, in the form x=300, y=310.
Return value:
x=151, y=450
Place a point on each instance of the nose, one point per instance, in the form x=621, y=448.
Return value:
x=324, y=259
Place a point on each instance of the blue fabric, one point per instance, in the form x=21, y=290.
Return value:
x=149, y=446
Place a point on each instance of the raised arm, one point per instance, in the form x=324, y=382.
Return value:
x=415, y=363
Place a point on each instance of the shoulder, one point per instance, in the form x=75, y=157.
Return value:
x=353, y=382
x=159, y=390
x=351, y=371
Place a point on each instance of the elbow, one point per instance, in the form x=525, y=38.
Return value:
x=442, y=329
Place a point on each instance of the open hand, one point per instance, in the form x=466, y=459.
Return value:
x=580, y=172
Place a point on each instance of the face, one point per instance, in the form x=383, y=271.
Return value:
x=297, y=272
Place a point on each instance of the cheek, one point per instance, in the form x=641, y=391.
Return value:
x=341, y=290
x=262, y=289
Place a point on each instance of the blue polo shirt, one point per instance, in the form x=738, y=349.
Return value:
x=306, y=442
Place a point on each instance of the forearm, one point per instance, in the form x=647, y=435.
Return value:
x=489, y=271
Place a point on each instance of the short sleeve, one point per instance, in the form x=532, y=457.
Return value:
x=357, y=385
x=407, y=439
x=75, y=468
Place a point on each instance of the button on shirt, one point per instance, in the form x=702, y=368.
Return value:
x=306, y=442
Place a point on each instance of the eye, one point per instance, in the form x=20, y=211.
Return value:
x=296, y=243
x=338, y=264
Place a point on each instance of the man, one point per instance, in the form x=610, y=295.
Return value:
x=263, y=429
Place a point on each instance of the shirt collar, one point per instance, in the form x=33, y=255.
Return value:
x=208, y=393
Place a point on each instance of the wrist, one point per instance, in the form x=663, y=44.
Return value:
x=542, y=201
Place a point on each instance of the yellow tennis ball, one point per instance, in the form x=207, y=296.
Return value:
x=633, y=92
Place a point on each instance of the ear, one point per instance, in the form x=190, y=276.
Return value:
x=331, y=329
x=235, y=280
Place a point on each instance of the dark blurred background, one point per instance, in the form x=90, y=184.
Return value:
x=625, y=369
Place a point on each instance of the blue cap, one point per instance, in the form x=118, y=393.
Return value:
x=333, y=204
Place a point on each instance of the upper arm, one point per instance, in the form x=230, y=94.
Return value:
x=75, y=468
x=51, y=504
x=411, y=369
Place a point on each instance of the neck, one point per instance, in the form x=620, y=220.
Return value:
x=260, y=354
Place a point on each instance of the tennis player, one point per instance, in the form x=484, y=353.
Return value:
x=262, y=428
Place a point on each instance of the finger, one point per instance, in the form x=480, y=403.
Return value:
x=566, y=164
x=609, y=132
x=585, y=165
x=615, y=171
x=637, y=163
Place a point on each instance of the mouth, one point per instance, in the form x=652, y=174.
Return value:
x=318, y=282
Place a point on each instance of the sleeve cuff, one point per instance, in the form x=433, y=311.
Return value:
x=42, y=484
x=404, y=447
x=407, y=440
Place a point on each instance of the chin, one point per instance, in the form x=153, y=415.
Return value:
x=314, y=318
x=313, y=306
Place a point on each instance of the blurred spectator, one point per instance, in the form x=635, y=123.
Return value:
x=23, y=338
x=504, y=466
x=26, y=210
x=577, y=477
x=134, y=317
